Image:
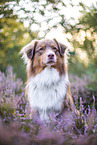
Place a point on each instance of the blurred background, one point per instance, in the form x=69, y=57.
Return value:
x=76, y=21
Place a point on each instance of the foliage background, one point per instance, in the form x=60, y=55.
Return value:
x=18, y=18
x=22, y=21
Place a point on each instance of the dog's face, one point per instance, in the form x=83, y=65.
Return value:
x=42, y=53
x=46, y=51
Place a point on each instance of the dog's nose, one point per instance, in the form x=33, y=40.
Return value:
x=51, y=56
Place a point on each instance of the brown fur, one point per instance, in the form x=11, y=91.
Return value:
x=37, y=52
x=36, y=65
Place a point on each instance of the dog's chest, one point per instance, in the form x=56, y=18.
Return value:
x=46, y=91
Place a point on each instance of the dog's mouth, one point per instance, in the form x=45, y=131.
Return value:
x=50, y=62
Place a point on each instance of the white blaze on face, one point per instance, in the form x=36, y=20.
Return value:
x=50, y=58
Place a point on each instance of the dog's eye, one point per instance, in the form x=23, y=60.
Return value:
x=41, y=48
x=54, y=48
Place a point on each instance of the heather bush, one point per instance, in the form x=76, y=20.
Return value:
x=84, y=87
x=12, y=93
x=16, y=128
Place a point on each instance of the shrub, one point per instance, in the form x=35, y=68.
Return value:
x=16, y=128
x=13, y=100
x=83, y=87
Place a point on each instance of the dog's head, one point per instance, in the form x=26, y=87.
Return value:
x=42, y=53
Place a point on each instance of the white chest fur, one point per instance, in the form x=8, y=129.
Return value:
x=46, y=91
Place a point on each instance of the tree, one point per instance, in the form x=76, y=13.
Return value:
x=84, y=33
x=37, y=12
x=46, y=13
x=13, y=36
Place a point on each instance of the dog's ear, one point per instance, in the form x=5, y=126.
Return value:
x=61, y=47
x=29, y=49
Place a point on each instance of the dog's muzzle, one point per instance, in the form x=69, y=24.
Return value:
x=50, y=58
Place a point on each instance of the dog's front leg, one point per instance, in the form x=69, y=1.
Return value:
x=44, y=115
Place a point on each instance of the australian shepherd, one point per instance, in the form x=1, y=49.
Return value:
x=48, y=86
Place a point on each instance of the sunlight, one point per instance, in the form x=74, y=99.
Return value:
x=60, y=36
x=88, y=34
x=82, y=56
x=81, y=36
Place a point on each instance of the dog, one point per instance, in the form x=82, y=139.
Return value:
x=48, y=86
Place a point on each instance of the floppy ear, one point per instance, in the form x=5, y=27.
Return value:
x=29, y=49
x=61, y=47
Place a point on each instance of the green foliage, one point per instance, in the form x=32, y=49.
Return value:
x=14, y=35
x=92, y=72
x=89, y=18
x=84, y=33
x=12, y=39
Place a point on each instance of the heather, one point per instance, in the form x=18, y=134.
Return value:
x=16, y=128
